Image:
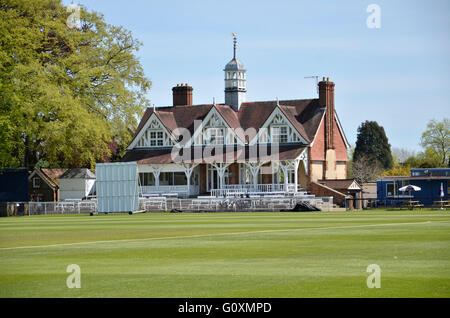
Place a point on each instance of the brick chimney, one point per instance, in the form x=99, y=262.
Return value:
x=182, y=95
x=326, y=99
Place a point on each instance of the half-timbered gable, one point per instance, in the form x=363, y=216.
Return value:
x=153, y=135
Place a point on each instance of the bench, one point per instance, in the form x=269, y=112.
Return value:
x=198, y=204
x=156, y=203
x=412, y=204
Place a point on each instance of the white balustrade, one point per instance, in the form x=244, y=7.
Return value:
x=232, y=189
x=165, y=189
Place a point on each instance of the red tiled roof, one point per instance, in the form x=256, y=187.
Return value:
x=252, y=153
x=52, y=175
x=304, y=115
x=306, y=112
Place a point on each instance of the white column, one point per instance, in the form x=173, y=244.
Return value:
x=254, y=169
x=284, y=168
x=156, y=172
x=221, y=168
x=188, y=169
x=296, y=164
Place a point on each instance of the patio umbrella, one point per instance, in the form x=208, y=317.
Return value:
x=410, y=187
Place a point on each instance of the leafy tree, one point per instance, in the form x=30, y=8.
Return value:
x=398, y=170
x=66, y=93
x=437, y=139
x=372, y=144
x=426, y=159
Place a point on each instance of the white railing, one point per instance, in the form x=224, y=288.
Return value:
x=62, y=207
x=232, y=189
x=208, y=204
x=181, y=190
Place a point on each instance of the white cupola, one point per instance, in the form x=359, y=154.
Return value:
x=235, y=81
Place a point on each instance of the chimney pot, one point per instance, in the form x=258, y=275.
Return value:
x=182, y=95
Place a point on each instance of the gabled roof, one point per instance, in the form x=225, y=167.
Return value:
x=237, y=153
x=341, y=184
x=229, y=115
x=78, y=173
x=305, y=112
x=177, y=116
x=51, y=176
x=304, y=115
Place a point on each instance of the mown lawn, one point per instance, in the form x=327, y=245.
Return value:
x=227, y=254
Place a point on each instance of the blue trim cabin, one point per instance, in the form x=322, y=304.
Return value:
x=428, y=179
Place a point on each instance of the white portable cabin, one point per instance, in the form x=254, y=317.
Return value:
x=76, y=184
x=117, y=187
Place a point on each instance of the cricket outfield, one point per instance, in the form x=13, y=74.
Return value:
x=322, y=254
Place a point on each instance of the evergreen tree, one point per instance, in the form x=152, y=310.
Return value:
x=372, y=143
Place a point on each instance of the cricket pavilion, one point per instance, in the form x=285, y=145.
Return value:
x=278, y=146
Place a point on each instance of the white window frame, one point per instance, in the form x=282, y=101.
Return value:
x=213, y=132
x=38, y=184
x=394, y=190
x=158, y=139
x=275, y=133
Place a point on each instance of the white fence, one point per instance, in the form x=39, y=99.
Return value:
x=63, y=207
x=252, y=204
x=274, y=188
x=180, y=190
x=200, y=204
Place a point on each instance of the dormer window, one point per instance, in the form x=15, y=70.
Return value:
x=214, y=136
x=279, y=134
x=156, y=138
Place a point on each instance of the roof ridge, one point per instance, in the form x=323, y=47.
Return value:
x=46, y=176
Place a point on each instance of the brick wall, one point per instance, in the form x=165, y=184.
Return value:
x=320, y=190
x=202, y=178
x=318, y=154
x=339, y=144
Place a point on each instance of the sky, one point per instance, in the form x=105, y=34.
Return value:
x=397, y=75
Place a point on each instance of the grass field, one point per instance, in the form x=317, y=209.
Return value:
x=227, y=254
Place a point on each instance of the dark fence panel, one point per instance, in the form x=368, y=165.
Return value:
x=371, y=203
